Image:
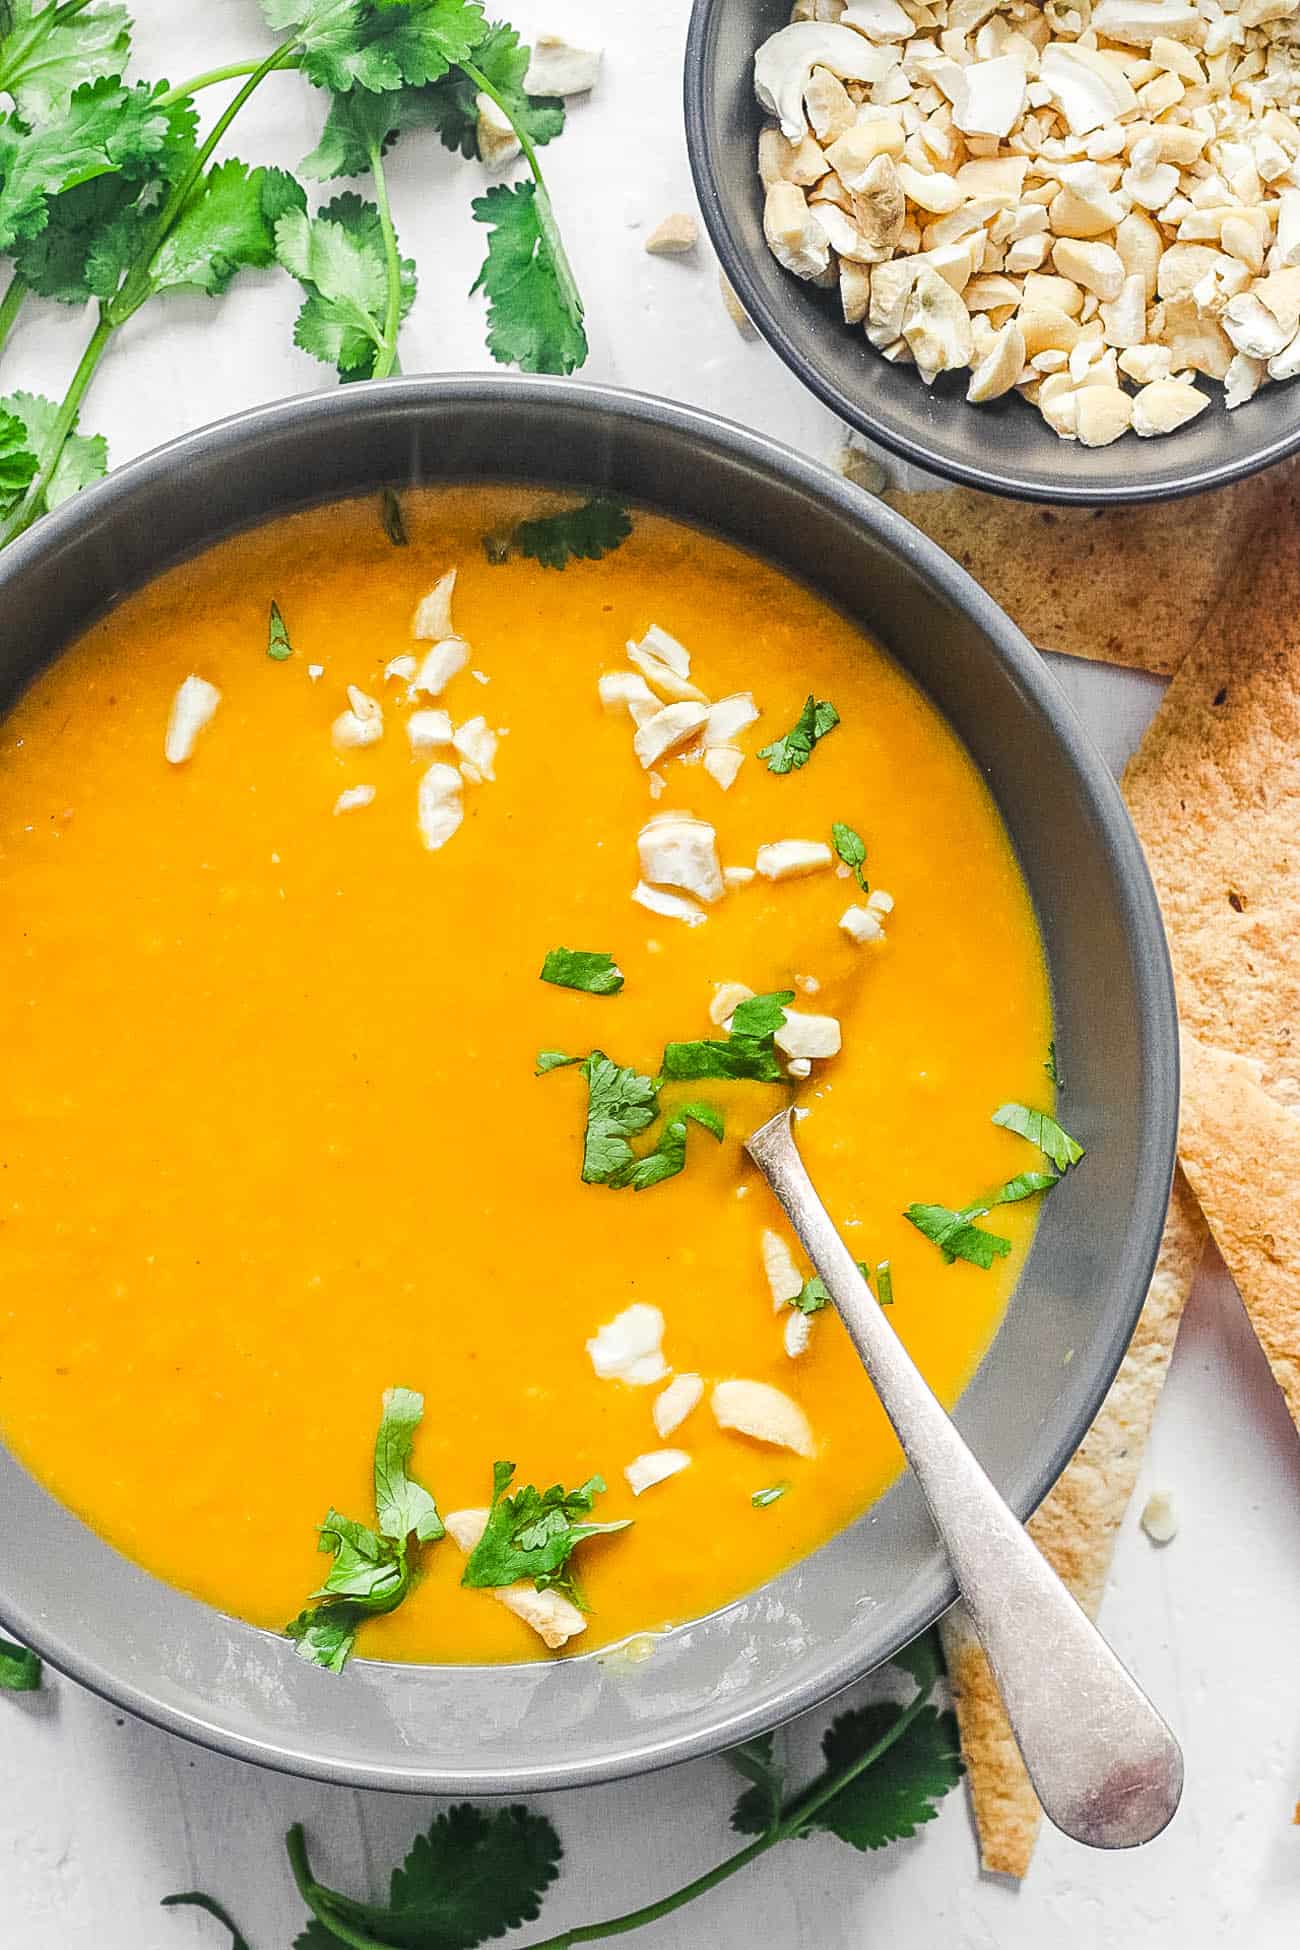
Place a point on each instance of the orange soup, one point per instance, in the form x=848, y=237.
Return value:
x=273, y=1134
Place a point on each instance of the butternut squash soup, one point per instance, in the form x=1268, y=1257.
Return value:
x=399, y=942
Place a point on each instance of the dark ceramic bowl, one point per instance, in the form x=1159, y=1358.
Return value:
x=831, y=1618
x=1004, y=446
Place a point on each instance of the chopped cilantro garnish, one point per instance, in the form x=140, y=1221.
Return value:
x=955, y=1234
x=555, y=1059
x=885, y=1283
x=748, y=1050
x=620, y=1103
x=392, y=518
x=278, y=645
x=1053, y=1068
x=761, y=1499
x=582, y=968
x=794, y=750
x=1024, y=1185
x=1042, y=1130
x=20, y=1670
x=814, y=1295
x=583, y=534
x=669, y=1154
x=534, y=1533
x=372, y=1569
x=852, y=849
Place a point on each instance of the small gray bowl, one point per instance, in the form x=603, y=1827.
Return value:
x=831, y=1618
x=1005, y=446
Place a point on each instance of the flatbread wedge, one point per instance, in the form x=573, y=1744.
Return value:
x=1075, y=1529
x=1214, y=790
x=1129, y=586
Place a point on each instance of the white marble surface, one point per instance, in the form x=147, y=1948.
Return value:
x=100, y=1816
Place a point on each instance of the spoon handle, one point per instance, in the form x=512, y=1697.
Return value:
x=1106, y=1768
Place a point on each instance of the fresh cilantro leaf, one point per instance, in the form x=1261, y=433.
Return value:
x=534, y=1533
x=789, y=753
x=619, y=1104
x=229, y=222
x=20, y=1670
x=852, y=849
x=956, y=1236
x=102, y=126
x=390, y=514
x=534, y=308
x=82, y=222
x=669, y=1155
x=576, y=534
x=194, y=1900
x=403, y=1507
x=814, y=1295
x=84, y=457
x=555, y=1059
x=349, y=44
x=885, y=1283
x=1023, y=1186
x=1042, y=1130
x=760, y=1805
x=922, y=1659
x=761, y=1499
x=359, y=126
x=1053, y=1068
x=47, y=52
x=748, y=1051
x=899, y=1792
x=19, y=460
x=372, y=1571
x=503, y=59
x=278, y=645
x=474, y=1874
x=338, y=258
x=582, y=968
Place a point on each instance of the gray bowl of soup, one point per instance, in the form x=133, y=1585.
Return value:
x=277, y=1137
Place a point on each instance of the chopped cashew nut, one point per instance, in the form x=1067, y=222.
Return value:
x=860, y=924
x=551, y=1615
x=788, y=859
x=361, y=724
x=803, y=1036
x=557, y=68
x=668, y=731
x=193, y=707
x=673, y=236
x=798, y=1333
x=630, y=1347
x=727, y=998
x=784, y=64
x=672, y=906
x=738, y=876
x=722, y=763
x=669, y=684
x=497, y=142
x=432, y=620
x=783, y=1276
x=795, y=234
x=679, y=1399
x=1165, y=405
x=440, y=811
x=1158, y=1517
x=404, y=667
x=676, y=850
x=355, y=796
x=428, y=729
x=477, y=744
x=756, y=1409
x=656, y=1466
x=627, y=690
x=445, y=661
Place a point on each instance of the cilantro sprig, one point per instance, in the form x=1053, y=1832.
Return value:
x=792, y=751
x=534, y=1533
x=621, y=1103
x=475, y=1873
x=373, y=1569
x=852, y=849
x=583, y=534
x=956, y=1234
x=748, y=1050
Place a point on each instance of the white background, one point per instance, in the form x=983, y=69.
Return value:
x=101, y=1816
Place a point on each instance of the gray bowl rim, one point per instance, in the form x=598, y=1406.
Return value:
x=716, y=1728
x=992, y=478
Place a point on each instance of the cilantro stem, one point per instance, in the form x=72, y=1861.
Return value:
x=550, y=229
x=387, y=355
x=25, y=513
x=211, y=77
x=11, y=304
x=792, y=1821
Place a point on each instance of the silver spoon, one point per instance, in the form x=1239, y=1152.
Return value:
x=1103, y=1763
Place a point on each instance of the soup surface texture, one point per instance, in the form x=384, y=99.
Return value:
x=271, y=1131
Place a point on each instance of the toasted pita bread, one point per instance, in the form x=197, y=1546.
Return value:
x=1215, y=793
x=1075, y=1529
x=1119, y=585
